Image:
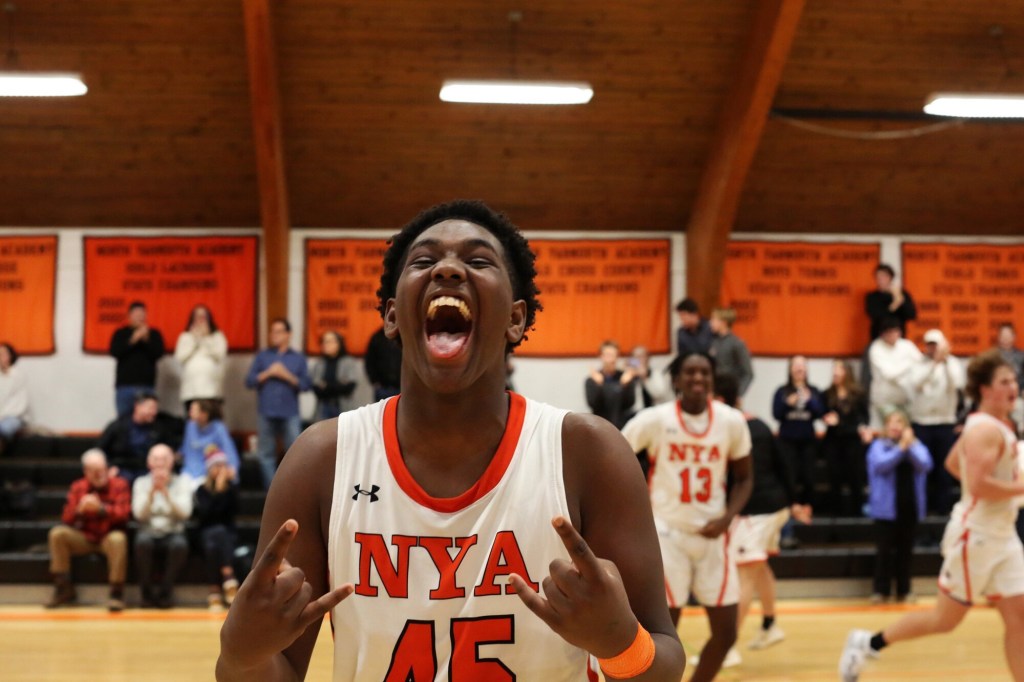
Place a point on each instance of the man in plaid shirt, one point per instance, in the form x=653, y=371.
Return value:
x=94, y=518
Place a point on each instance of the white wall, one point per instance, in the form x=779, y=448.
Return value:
x=72, y=391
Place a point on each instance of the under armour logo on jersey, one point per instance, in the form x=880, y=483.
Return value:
x=372, y=492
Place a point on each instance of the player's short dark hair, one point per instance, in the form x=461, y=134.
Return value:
x=688, y=305
x=981, y=370
x=886, y=268
x=676, y=366
x=727, y=387
x=519, y=258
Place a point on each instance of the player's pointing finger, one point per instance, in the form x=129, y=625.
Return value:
x=579, y=551
x=270, y=563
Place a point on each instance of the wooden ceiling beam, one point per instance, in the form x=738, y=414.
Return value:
x=744, y=114
x=266, y=125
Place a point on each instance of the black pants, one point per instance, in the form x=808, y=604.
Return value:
x=218, y=551
x=173, y=547
x=895, y=543
x=847, y=473
x=802, y=458
x=939, y=439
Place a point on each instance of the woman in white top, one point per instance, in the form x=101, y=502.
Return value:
x=13, y=396
x=202, y=350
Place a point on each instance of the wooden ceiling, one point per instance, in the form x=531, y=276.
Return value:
x=164, y=137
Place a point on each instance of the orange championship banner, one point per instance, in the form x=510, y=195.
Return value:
x=28, y=273
x=342, y=278
x=800, y=298
x=964, y=290
x=598, y=289
x=170, y=275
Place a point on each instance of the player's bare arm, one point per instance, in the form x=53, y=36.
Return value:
x=274, y=622
x=741, y=473
x=615, y=578
x=981, y=449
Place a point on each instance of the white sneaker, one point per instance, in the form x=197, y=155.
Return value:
x=732, y=659
x=855, y=655
x=766, y=638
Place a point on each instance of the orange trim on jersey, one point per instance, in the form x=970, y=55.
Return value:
x=946, y=591
x=725, y=573
x=682, y=422
x=967, y=570
x=487, y=481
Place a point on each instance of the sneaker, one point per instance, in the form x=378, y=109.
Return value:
x=115, y=605
x=855, y=655
x=230, y=590
x=214, y=602
x=732, y=659
x=766, y=638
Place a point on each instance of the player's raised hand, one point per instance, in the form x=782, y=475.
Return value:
x=584, y=599
x=274, y=606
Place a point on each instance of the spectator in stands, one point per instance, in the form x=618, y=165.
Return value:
x=892, y=357
x=845, y=440
x=898, y=466
x=755, y=532
x=729, y=351
x=13, y=396
x=796, y=406
x=137, y=347
x=694, y=333
x=161, y=503
x=651, y=387
x=216, y=504
x=279, y=373
x=888, y=300
x=609, y=388
x=93, y=522
x=935, y=382
x=1006, y=342
x=128, y=439
x=202, y=352
x=334, y=376
x=203, y=430
x=383, y=364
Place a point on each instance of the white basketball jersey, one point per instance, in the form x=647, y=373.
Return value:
x=432, y=600
x=995, y=517
x=689, y=457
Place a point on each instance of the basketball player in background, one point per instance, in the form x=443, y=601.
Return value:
x=423, y=523
x=982, y=553
x=693, y=444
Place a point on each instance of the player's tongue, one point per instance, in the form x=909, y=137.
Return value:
x=446, y=344
x=447, y=328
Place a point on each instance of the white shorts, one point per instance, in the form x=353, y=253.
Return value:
x=976, y=564
x=755, y=538
x=699, y=565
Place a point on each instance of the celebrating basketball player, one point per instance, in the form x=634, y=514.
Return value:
x=693, y=444
x=423, y=523
x=982, y=553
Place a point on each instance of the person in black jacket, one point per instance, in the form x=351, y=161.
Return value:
x=846, y=440
x=796, y=405
x=610, y=390
x=126, y=440
x=215, y=507
x=383, y=364
x=137, y=347
x=756, y=530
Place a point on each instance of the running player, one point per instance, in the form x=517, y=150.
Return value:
x=694, y=443
x=982, y=553
x=422, y=522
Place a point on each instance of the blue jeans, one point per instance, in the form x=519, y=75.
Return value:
x=9, y=427
x=268, y=429
x=124, y=397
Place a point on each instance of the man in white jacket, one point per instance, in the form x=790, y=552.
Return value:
x=892, y=357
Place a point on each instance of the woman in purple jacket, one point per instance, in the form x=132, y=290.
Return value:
x=898, y=466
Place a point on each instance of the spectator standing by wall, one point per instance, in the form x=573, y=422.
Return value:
x=97, y=509
x=202, y=352
x=279, y=375
x=892, y=358
x=796, y=405
x=383, y=365
x=694, y=333
x=936, y=381
x=729, y=351
x=127, y=440
x=609, y=388
x=204, y=430
x=136, y=346
x=888, y=300
x=13, y=396
x=161, y=503
x=334, y=375
x=898, y=466
x=1006, y=342
x=216, y=504
x=846, y=438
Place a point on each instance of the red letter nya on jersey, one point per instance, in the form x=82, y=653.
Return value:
x=503, y=558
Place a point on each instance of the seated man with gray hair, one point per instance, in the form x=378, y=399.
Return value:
x=94, y=518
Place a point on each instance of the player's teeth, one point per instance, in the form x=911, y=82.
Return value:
x=449, y=301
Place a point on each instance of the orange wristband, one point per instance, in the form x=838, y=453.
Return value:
x=635, y=660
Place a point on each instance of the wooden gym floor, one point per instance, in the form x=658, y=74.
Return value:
x=148, y=646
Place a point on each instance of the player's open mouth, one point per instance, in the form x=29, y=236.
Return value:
x=448, y=326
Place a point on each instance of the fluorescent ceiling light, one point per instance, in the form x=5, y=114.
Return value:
x=516, y=92
x=964, y=105
x=40, y=84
